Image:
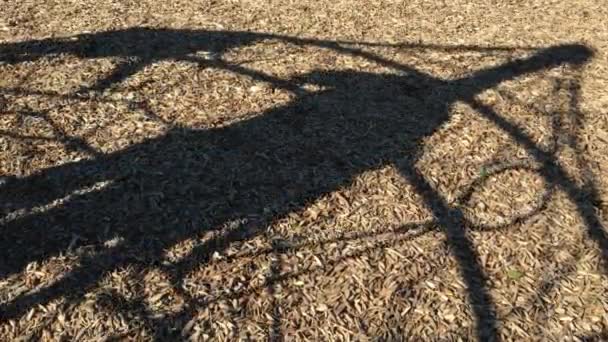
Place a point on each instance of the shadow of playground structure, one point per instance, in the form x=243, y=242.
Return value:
x=187, y=182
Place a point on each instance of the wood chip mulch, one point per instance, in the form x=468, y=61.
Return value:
x=303, y=170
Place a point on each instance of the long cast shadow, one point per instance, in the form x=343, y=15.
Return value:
x=191, y=182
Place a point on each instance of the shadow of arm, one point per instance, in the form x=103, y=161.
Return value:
x=546, y=59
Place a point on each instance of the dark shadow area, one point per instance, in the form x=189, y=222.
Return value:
x=188, y=182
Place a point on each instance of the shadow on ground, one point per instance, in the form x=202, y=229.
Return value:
x=165, y=190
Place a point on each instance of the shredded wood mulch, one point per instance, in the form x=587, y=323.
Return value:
x=310, y=170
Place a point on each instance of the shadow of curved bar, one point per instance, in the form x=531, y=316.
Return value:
x=272, y=164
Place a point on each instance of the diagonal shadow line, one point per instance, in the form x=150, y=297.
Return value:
x=452, y=223
x=409, y=71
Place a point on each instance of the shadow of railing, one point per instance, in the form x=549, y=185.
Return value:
x=187, y=182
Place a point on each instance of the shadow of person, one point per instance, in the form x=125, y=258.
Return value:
x=189, y=182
